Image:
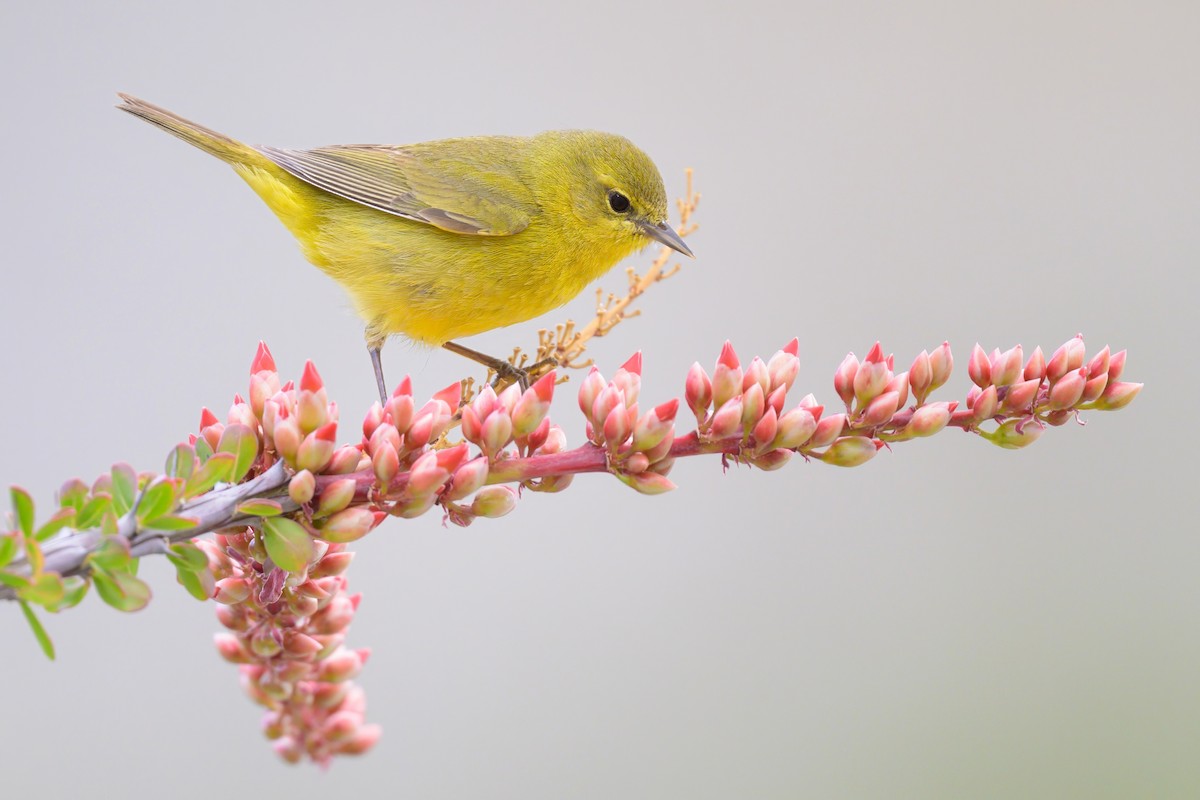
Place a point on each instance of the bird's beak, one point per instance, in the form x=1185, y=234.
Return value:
x=662, y=232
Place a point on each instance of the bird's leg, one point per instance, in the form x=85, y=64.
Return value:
x=502, y=368
x=374, y=345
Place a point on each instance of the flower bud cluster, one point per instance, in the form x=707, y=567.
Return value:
x=637, y=445
x=286, y=631
x=747, y=405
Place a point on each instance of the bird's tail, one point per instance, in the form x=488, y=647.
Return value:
x=217, y=144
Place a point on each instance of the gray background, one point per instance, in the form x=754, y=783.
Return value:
x=951, y=620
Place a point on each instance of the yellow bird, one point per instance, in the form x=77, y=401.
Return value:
x=445, y=239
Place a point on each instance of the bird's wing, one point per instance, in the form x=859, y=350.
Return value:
x=457, y=189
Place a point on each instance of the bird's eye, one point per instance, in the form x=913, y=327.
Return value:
x=617, y=201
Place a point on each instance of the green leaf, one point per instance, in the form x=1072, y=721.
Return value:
x=38, y=631
x=157, y=499
x=8, y=547
x=73, y=494
x=74, y=590
x=33, y=554
x=124, y=487
x=22, y=505
x=45, y=589
x=94, y=511
x=204, y=450
x=187, y=555
x=288, y=543
x=121, y=590
x=217, y=468
x=260, y=507
x=111, y=554
x=63, y=518
x=243, y=443
x=14, y=580
x=171, y=522
x=181, y=462
x=199, y=585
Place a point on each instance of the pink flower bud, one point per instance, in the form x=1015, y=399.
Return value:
x=556, y=441
x=385, y=463
x=496, y=432
x=241, y=414
x=757, y=373
x=404, y=387
x=771, y=460
x=782, y=369
x=753, y=404
x=727, y=421
x=1014, y=434
x=616, y=427
x=362, y=740
x=350, y=524
x=341, y=666
x=332, y=565
x=795, y=428
x=655, y=425
x=1094, y=388
x=589, y=391
x=337, y=495
x=300, y=645
x=533, y=406
x=635, y=463
x=301, y=487
x=508, y=398
x=1068, y=390
x=345, y=460
x=899, y=385
x=538, y=438
x=728, y=357
x=1099, y=363
x=828, y=430
x=451, y=396
x=1020, y=396
x=1116, y=366
x=494, y=501
x=330, y=695
x=1076, y=352
x=263, y=386
x=335, y=617
x=426, y=475
x=311, y=381
x=287, y=439
x=880, y=410
x=630, y=384
x=1056, y=367
x=312, y=410
x=317, y=448
x=400, y=410
x=979, y=368
x=726, y=380
x=470, y=425
x=371, y=420
x=233, y=617
x=929, y=419
x=207, y=418
x=468, y=479
x=1118, y=394
x=920, y=376
x=843, y=379
x=850, y=451
x=1007, y=368
x=608, y=400
x=646, y=482
x=451, y=458
x=263, y=360
x=870, y=380
x=941, y=363
x=231, y=649
x=698, y=392
x=231, y=590
x=420, y=433
x=765, y=430
x=986, y=404
x=1035, y=368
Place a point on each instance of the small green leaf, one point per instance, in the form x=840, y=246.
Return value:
x=243, y=443
x=33, y=554
x=171, y=522
x=217, y=468
x=181, y=462
x=111, y=554
x=124, y=487
x=74, y=590
x=63, y=518
x=94, y=511
x=45, y=589
x=204, y=450
x=200, y=585
x=73, y=494
x=22, y=505
x=260, y=507
x=14, y=580
x=38, y=631
x=121, y=590
x=8, y=547
x=187, y=555
x=157, y=499
x=288, y=543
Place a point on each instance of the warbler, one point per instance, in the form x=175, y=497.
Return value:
x=445, y=239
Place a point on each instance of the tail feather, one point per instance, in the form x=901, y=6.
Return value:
x=217, y=144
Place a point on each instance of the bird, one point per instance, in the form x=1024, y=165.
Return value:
x=445, y=239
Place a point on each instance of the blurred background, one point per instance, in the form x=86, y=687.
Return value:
x=950, y=620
